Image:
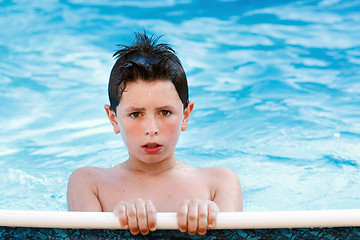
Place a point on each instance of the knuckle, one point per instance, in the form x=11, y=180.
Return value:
x=141, y=215
x=151, y=211
x=194, y=201
x=118, y=212
x=148, y=202
x=203, y=215
x=120, y=207
x=186, y=202
x=212, y=215
x=138, y=201
x=131, y=214
x=214, y=207
x=181, y=214
x=192, y=217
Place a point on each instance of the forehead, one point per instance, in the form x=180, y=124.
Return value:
x=143, y=92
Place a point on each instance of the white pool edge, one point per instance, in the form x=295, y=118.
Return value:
x=168, y=221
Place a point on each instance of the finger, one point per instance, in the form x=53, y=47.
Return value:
x=151, y=215
x=132, y=219
x=182, y=215
x=141, y=216
x=202, y=218
x=192, y=219
x=120, y=212
x=212, y=216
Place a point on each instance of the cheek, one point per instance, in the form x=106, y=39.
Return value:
x=128, y=131
x=173, y=128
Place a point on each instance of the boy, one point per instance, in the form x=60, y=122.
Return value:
x=149, y=107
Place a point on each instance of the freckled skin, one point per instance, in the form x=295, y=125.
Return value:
x=152, y=112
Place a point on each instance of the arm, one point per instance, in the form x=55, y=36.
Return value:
x=227, y=190
x=136, y=215
x=82, y=191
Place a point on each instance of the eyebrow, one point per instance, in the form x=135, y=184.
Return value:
x=165, y=107
x=140, y=109
x=135, y=109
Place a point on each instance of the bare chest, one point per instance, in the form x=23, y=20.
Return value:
x=166, y=194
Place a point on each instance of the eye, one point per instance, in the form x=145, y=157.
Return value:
x=165, y=113
x=135, y=114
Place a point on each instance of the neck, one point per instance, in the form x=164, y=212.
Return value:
x=150, y=168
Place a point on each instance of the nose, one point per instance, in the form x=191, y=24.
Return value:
x=151, y=128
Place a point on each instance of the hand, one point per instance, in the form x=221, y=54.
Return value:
x=196, y=216
x=137, y=216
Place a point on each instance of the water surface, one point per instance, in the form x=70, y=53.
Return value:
x=276, y=89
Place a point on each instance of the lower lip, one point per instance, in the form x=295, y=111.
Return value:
x=152, y=150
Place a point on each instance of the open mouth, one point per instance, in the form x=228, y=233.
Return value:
x=151, y=145
x=152, y=148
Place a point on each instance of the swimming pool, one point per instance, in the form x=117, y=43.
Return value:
x=276, y=91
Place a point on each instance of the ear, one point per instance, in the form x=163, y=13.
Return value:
x=187, y=113
x=112, y=117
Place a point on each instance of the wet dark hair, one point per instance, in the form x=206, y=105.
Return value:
x=147, y=60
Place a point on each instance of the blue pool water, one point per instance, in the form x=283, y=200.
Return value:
x=276, y=86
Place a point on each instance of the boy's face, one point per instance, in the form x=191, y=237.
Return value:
x=149, y=117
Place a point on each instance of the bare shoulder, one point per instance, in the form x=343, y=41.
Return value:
x=82, y=189
x=86, y=174
x=219, y=173
x=225, y=187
